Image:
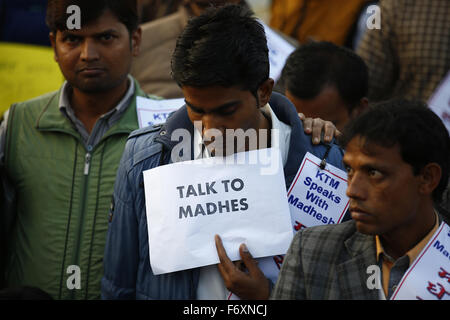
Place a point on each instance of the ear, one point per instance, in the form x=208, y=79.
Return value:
x=362, y=105
x=52, y=37
x=430, y=176
x=136, y=38
x=265, y=91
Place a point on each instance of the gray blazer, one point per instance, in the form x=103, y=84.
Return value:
x=328, y=262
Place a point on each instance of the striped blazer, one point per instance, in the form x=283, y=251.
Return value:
x=328, y=262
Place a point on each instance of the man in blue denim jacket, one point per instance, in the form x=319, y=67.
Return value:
x=221, y=64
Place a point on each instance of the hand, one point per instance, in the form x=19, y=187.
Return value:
x=316, y=126
x=251, y=285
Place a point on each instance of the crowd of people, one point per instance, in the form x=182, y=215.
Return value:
x=73, y=197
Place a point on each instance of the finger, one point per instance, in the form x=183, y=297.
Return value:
x=250, y=263
x=307, y=124
x=301, y=116
x=337, y=133
x=240, y=265
x=330, y=129
x=225, y=262
x=317, y=127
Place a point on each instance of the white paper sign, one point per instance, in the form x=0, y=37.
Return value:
x=316, y=196
x=151, y=111
x=279, y=51
x=187, y=203
x=440, y=101
x=428, y=278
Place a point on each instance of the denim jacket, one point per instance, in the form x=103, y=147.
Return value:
x=128, y=274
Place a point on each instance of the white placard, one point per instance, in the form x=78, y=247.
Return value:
x=279, y=51
x=428, y=278
x=151, y=112
x=440, y=101
x=187, y=203
x=317, y=196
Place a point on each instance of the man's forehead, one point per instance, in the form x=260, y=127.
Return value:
x=371, y=149
x=106, y=21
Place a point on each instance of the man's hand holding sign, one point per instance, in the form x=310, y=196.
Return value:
x=244, y=278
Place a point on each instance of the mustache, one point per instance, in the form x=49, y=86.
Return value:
x=89, y=67
x=357, y=207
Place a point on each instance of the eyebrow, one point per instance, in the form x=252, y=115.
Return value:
x=368, y=166
x=217, y=109
x=98, y=34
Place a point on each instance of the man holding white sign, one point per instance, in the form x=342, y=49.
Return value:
x=397, y=244
x=224, y=75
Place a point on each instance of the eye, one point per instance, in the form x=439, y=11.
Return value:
x=106, y=37
x=70, y=38
x=227, y=111
x=374, y=173
x=195, y=110
x=349, y=171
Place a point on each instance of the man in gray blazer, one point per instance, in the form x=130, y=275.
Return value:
x=397, y=158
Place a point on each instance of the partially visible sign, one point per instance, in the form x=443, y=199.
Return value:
x=151, y=112
x=428, y=278
x=26, y=71
x=440, y=101
x=279, y=51
x=317, y=196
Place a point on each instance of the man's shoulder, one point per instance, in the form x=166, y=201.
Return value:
x=141, y=145
x=38, y=102
x=333, y=234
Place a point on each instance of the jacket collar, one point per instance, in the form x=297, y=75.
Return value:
x=352, y=272
x=51, y=118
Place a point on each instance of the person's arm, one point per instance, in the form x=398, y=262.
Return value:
x=122, y=244
x=290, y=284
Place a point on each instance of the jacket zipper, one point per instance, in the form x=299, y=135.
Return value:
x=87, y=163
x=87, y=166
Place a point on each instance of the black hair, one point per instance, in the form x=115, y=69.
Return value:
x=315, y=65
x=225, y=46
x=419, y=132
x=124, y=10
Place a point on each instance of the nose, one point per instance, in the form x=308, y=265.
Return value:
x=89, y=50
x=212, y=126
x=357, y=187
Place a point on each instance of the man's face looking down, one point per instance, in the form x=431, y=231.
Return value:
x=220, y=108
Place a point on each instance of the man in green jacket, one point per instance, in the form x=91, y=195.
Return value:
x=61, y=150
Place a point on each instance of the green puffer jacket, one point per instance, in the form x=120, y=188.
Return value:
x=63, y=197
